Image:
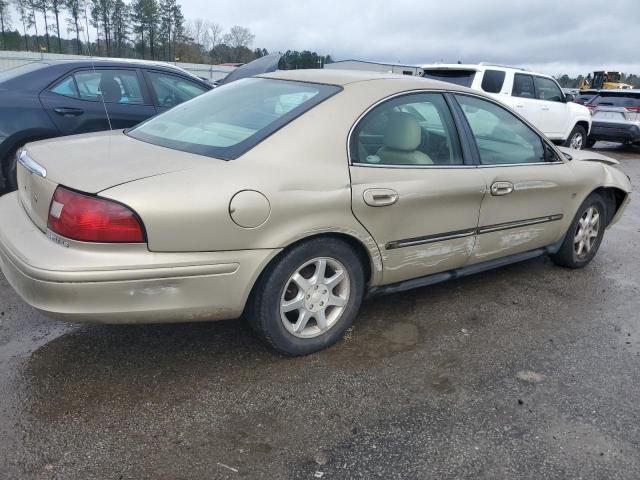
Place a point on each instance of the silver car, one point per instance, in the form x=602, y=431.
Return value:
x=616, y=117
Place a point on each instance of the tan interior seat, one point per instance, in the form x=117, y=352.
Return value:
x=402, y=137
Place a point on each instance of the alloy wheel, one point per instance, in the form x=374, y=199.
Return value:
x=587, y=232
x=576, y=141
x=315, y=297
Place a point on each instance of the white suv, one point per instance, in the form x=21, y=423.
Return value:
x=535, y=96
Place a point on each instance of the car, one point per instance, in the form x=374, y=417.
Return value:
x=287, y=198
x=585, y=96
x=64, y=97
x=616, y=116
x=535, y=96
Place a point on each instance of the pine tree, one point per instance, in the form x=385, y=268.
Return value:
x=22, y=7
x=75, y=8
x=4, y=20
x=43, y=6
x=56, y=5
x=120, y=16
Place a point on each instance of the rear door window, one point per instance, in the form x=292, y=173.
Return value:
x=410, y=130
x=492, y=81
x=547, y=89
x=459, y=76
x=114, y=86
x=523, y=86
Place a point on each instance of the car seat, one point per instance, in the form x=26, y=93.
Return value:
x=402, y=137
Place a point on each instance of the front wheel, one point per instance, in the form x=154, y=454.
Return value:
x=577, y=138
x=584, y=235
x=308, y=298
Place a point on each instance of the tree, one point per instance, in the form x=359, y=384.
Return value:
x=32, y=5
x=74, y=8
x=22, y=7
x=171, y=21
x=56, y=6
x=4, y=21
x=145, y=19
x=120, y=16
x=101, y=15
x=239, y=39
x=43, y=6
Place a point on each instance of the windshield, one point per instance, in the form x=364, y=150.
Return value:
x=460, y=77
x=21, y=70
x=230, y=120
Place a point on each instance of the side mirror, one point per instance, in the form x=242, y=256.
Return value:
x=568, y=97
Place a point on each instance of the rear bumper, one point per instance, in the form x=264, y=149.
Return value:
x=615, y=132
x=124, y=283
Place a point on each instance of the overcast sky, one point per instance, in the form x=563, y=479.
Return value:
x=552, y=36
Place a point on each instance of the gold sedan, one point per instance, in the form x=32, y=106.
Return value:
x=286, y=198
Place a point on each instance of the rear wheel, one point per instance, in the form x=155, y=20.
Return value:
x=307, y=299
x=577, y=138
x=584, y=235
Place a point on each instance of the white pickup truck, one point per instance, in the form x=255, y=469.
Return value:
x=535, y=96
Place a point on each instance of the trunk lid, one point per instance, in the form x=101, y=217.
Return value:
x=92, y=163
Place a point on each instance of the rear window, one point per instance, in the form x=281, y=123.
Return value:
x=230, y=120
x=617, y=100
x=459, y=77
x=492, y=81
x=21, y=70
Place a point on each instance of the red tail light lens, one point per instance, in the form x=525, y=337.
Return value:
x=633, y=109
x=92, y=219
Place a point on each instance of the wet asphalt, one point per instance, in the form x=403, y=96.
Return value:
x=529, y=371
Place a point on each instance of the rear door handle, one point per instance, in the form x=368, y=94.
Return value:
x=519, y=105
x=68, y=112
x=501, y=188
x=380, y=197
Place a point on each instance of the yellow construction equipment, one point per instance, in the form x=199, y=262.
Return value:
x=604, y=80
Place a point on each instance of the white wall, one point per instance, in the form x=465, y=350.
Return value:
x=10, y=59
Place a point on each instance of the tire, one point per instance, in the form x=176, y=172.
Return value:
x=306, y=297
x=571, y=255
x=577, y=138
x=9, y=171
x=591, y=142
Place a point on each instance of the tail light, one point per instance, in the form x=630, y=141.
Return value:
x=91, y=219
x=633, y=109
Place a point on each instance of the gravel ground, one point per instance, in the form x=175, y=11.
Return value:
x=528, y=371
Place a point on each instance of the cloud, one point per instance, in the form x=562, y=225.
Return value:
x=551, y=36
x=557, y=36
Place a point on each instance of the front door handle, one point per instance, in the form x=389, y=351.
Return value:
x=68, y=112
x=501, y=188
x=380, y=197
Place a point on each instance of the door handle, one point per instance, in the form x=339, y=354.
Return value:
x=68, y=112
x=501, y=188
x=380, y=197
x=519, y=105
x=546, y=109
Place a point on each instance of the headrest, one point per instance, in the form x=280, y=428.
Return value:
x=110, y=89
x=403, y=132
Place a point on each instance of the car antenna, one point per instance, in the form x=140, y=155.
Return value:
x=93, y=66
